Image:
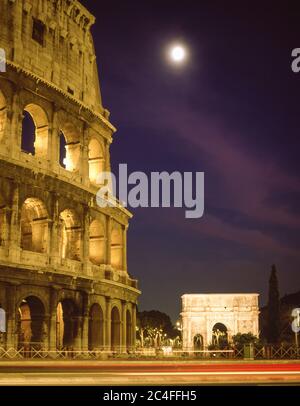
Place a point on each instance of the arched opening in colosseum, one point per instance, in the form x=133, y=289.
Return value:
x=62, y=150
x=97, y=243
x=96, y=160
x=34, y=226
x=35, y=129
x=70, y=147
x=115, y=329
x=96, y=327
x=28, y=134
x=117, y=247
x=198, y=342
x=3, y=115
x=128, y=330
x=31, y=323
x=70, y=235
x=67, y=324
x=220, y=335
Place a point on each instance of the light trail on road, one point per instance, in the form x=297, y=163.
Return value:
x=147, y=373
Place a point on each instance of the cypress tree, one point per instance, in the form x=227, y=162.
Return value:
x=273, y=325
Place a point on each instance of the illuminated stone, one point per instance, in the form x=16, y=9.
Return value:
x=63, y=264
x=202, y=313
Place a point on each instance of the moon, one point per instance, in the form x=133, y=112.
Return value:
x=177, y=53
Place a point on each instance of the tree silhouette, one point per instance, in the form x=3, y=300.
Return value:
x=273, y=318
x=154, y=326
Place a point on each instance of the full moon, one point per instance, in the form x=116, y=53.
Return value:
x=177, y=53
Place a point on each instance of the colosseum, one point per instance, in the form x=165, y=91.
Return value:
x=64, y=284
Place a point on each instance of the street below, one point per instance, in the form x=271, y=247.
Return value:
x=108, y=373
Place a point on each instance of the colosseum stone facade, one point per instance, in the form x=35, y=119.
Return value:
x=64, y=283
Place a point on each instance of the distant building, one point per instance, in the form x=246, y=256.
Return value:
x=211, y=318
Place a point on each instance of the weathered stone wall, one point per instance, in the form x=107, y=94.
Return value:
x=52, y=39
x=57, y=247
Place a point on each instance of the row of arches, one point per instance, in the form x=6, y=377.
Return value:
x=32, y=326
x=35, y=140
x=219, y=337
x=35, y=236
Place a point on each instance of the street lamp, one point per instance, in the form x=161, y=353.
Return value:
x=179, y=328
x=296, y=324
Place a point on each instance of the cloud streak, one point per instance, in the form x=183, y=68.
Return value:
x=246, y=183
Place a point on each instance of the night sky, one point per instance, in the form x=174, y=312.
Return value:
x=231, y=111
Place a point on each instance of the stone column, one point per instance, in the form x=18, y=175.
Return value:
x=209, y=333
x=108, y=240
x=133, y=338
x=123, y=326
x=86, y=240
x=125, y=248
x=5, y=221
x=15, y=229
x=46, y=333
x=189, y=335
x=11, y=333
x=5, y=128
x=15, y=116
x=52, y=319
x=107, y=156
x=53, y=231
x=48, y=242
x=85, y=156
x=17, y=32
x=85, y=324
x=184, y=332
x=78, y=339
x=108, y=324
x=54, y=141
x=73, y=151
x=40, y=235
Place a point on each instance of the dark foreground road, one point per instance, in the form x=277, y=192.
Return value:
x=147, y=373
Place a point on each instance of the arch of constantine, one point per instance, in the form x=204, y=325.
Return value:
x=63, y=272
x=207, y=317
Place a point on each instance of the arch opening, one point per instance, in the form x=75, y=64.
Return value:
x=128, y=330
x=96, y=160
x=115, y=329
x=220, y=335
x=69, y=148
x=70, y=235
x=96, y=327
x=67, y=324
x=31, y=323
x=34, y=226
x=198, y=342
x=117, y=247
x=97, y=243
x=62, y=150
x=35, y=129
